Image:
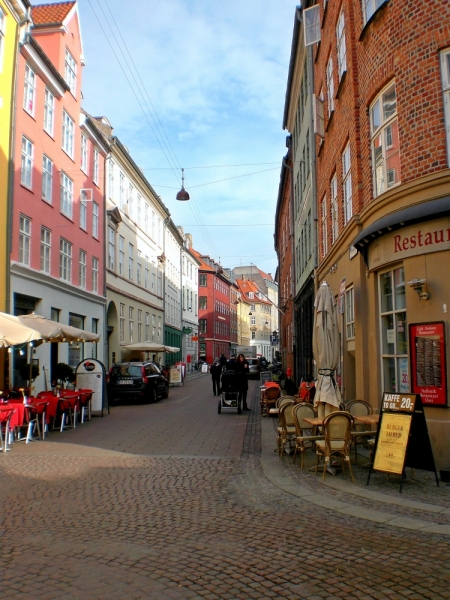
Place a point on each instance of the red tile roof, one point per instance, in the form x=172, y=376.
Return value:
x=248, y=285
x=265, y=275
x=51, y=14
x=204, y=266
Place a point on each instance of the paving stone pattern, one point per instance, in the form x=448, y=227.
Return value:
x=169, y=501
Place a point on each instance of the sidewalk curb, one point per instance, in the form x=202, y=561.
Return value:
x=270, y=464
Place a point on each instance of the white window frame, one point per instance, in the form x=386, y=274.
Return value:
x=130, y=261
x=82, y=269
x=96, y=170
x=334, y=209
x=68, y=134
x=384, y=128
x=324, y=226
x=24, y=240
x=445, y=76
x=83, y=210
x=26, y=169
x=139, y=268
x=111, y=248
x=95, y=263
x=350, y=312
x=330, y=85
x=29, y=91
x=70, y=72
x=347, y=184
x=84, y=154
x=370, y=7
x=49, y=112
x=66, y=195
x=341, y=47
x=121, y=265
x=46, y=246
x=122, y=322
x=47, y=179
x=95, y=220
x=311, y=25
x=65, y=260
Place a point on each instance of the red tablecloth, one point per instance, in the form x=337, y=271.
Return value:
x=18, y=417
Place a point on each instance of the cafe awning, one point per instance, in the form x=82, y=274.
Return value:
x=52, y=331
x=13, y=332
x=150, y=347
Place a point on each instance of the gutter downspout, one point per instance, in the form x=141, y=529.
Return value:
x=292, y=234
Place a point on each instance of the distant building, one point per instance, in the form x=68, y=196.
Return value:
x=189, y=302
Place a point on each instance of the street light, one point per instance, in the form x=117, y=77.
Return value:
x=182, y=194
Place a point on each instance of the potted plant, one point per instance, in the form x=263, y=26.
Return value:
x=63, y=373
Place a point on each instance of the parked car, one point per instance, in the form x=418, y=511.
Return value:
x=253, y=367
x=136, y=381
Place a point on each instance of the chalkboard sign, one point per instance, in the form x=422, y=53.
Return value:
x=402, y=438
x=265, y=376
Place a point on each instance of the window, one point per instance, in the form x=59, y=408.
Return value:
x=139, y=318
x=130, y=324
x=94, y=329
x=84, y=153
x=29, y=92
x=83, y=210
x=68, y=132
x=202, y=302
x=121, y=190
x=121, y=255
x=65, y=260
x=24, y=239
x=370, y=7
x=66, y=195
x=47, y=179
x=202, y=280
x=253, y=307
x=252, y=320
x=111, y=248
x=26, y=169
x=95, y=274
x=139, y=268
x=122, y=322
x=330, y=86
x=46, y=241
x=350, y=312
x=311, y=24
x=146, y=274
x=253, y=335
x=49, y=112
x=445, y=74
x=251, y=295
x=70, y=72
x=95, y=217
x=130, y=262
x=393, y=331
x=96, y=172
x=324, y=227
x=385, y=141
x=347, y=184
x=334, y=211
x=147, y=327
x=202, y=323
x=341, y=50
x=82, y=270
x=76, y=349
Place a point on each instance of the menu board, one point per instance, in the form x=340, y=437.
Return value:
x=428, y=362
x=393, y=439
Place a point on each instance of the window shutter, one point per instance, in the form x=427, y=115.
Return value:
x=311, y=25
x=319, y=120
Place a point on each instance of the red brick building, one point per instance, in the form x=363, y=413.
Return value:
x=214, y=335
x=382, y=76
x=284, y=250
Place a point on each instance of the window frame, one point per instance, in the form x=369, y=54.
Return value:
x=341, y=49
x=350, y=313
x=47, y=179
x=329, y=76
x=70, y=72
x=96, y=167
x=26, y=167
x=95, y=220
x=82, y=268
x=46, y=250
x=24, y=239
x=29, y=91
x=334, y=205
x=65, y=260
x=84, y=151
x=445, y=79
x=66, y=195
x=49, y=112
x=68, y=134
x=347, y=189
x=94, y=282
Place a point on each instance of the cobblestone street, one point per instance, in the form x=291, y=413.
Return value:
x=172, y=500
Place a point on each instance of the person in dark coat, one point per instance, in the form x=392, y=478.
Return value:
x=216, y=371
x=242, y=370
x=223, y=361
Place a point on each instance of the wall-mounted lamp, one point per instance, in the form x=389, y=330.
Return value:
x=419, y=286
x=250, y=314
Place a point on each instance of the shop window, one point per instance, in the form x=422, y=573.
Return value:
x=385, y=141
x=393, y=331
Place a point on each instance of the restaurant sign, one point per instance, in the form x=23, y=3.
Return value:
x=413, y=240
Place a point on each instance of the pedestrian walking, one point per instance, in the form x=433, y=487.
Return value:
x=216, y=370
x=223, y=361
x=242, y=369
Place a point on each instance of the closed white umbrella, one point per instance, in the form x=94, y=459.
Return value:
x=326, y=351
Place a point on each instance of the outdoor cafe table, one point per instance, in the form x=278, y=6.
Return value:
x=368, y=419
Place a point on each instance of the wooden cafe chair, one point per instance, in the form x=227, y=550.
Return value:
x=337, y=427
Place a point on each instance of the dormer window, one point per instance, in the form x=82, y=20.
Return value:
x=70, y=72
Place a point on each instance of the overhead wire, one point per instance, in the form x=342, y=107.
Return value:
x=159, y=133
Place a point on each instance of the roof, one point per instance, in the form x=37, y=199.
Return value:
x=51, y=14
x=203, y=265
x=265, y=275
x=247, y=285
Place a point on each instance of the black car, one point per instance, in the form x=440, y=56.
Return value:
x=136, y=381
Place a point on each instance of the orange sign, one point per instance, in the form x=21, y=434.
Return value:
x=194, y=338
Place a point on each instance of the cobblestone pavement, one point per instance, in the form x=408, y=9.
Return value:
x=171, y=501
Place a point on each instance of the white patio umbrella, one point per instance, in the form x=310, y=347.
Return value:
x=150, y=347
x=13, y=333
x=326, y=351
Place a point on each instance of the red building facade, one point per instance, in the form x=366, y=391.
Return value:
x=57, y=249
x=214, y=331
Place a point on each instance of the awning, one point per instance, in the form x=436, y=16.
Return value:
x=13, y=333
x=150, y=347
x=52, y=331
x=425, y=211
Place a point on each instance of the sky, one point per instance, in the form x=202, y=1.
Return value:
x=199, y=85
